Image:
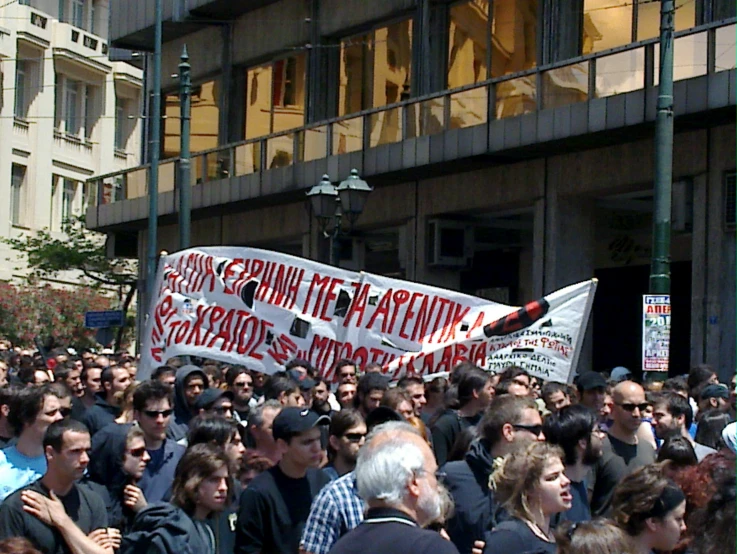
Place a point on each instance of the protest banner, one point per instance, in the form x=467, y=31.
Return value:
x=261, y=309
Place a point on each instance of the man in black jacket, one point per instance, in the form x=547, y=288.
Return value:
x=106, y=409
x=509, y=422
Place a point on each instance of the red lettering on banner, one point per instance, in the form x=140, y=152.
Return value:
x=408, y=315
x=320, y=283
x=346, y=351
x=282, y=349
x=376, y=354
x=229, y=272
x=329, y=297
x=317, y=348
x=442, y=303
x=293, y=288
x=461, y=353
x=478, y=354
x=360, y=356
x=383, y=310
x=428, y=363
x=400, y=297
x=358, y=306
x=423, y=319
x=476, y=324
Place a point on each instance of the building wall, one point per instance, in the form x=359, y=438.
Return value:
x=38, y=140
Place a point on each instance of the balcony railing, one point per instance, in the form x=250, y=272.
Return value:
x=698, y=51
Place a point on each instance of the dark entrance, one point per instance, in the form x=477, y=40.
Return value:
x=618, y=318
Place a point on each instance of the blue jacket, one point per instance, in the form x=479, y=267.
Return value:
x=159, y=474
x=164, y=529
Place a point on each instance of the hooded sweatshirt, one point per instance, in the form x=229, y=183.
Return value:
x=100, y=415
x=106, y=468
x=182, y=412
x=476, y=511
x=166, y=529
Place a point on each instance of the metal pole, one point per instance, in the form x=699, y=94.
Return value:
x=185, y=189
x=337, y=232
x=660, y=267
x=153, y=177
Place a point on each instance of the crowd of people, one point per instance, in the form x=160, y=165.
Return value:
x=209, y=458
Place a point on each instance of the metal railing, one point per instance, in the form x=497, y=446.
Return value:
x=698, y=51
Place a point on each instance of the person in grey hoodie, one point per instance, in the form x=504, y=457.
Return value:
x=191, y=381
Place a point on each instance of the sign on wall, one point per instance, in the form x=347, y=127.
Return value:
x=655, y=332
x=261, y=309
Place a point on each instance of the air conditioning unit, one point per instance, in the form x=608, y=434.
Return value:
x=449, y=243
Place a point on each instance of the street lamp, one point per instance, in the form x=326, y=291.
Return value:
x=329, y=203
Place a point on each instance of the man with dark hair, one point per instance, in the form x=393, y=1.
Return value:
x=32, y=410
x=91, y=378
x=215, y=401
x=275, y=506
x=152, y=409
x=165, y=374
x=190, y=382
x=513, y=380
x=240, y=383
x=345, y=371
x=714, y=397
x=509, y=422
x=555, y=395
x=672, y=415
x=346, y=436
x=370, y=391
x=415, y=388
x=107, y=406
x=7, y=394
x=54, y=512
x=592, y=390
x=345, y=395
x=71, y=377
x=284, y=389
x=576, y=430
x=475, y=393
x=321, y=397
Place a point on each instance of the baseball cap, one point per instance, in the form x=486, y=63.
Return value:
x=208, y=397
x=590, y=380
x=305, y=382
x=293, y=421
x=714, y=391
x=620, y=373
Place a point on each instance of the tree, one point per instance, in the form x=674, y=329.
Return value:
x=82, y=250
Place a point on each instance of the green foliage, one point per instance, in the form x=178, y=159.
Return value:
x=80, y=250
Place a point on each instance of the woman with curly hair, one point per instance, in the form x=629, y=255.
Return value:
x=651, y=509
x=712, y=527
x=532, y=487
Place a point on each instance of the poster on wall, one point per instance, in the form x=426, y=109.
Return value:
x=262, y=309
x=655, y=332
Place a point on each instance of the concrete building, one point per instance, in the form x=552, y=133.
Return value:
x=510, y=144
x=66, y=113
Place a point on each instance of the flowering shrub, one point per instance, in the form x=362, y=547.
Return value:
x=54, y=316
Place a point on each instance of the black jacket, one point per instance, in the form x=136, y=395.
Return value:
x=476, y=511
x=100, y=415
x=165, y=529
x=179, y=425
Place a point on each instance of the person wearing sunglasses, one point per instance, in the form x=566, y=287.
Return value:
x=152, y=410
x=623, y=451
x=346, y=437
x=118, y=460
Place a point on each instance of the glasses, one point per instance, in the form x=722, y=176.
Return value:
x=630, y=407
x=534, y=429
x=223, y=409
x=242, y=384
x=138, y=452
x=156, y=413
x=355, y=437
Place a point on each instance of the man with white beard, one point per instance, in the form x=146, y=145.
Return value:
x=396, y=477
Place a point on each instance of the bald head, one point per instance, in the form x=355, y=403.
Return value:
x=626, y=389
x=629, y=403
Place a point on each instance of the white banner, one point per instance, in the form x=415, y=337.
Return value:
x=261, y=309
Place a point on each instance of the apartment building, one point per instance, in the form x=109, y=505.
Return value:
x=509, y=144
x=66, y=113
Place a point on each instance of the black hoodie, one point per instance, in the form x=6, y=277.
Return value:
x=179, y=425
x=106, y=468
x=166, y=529
x=100, y=415
x=476, y=511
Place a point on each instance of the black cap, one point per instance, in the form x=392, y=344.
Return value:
x=209, y=396
x=293, y=421
x=590, y=380
x=304, y=380
x=714, y=391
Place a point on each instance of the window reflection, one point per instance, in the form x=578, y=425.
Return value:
x=469, y=108
x=618, y=73
x=565, y=85
x=513, y=36
x=648, y=17
x=275, y=96
x=375, y=69
x=516, y=97
x=467, y=43
x=205, y=120
x=689, y=57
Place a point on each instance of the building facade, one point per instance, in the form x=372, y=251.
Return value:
x=66, y=113
x=510, y=144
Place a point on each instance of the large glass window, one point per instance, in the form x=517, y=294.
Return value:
x=513, y=36
x=611, y=23
x=205, y=122
x=275, y=96
x=468, y=43
x=17, y=194
x=375, y=68
x=21, y=89
x=69, y=195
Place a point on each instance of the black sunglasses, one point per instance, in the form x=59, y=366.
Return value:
x=355, y=437
x=630, y=407
x=156, y=413
x=534, y=429
x=222, y=409
x=138, y=452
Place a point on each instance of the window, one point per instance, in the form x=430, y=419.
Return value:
x=21, y=89
x=71, y=107
x=375, y=68
x=18, y=194
x=69, y=194
x=275, y=96
x=611, y=23
x=77, y=14
x=205, y=122
x=468, y=43
x=120, y=124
